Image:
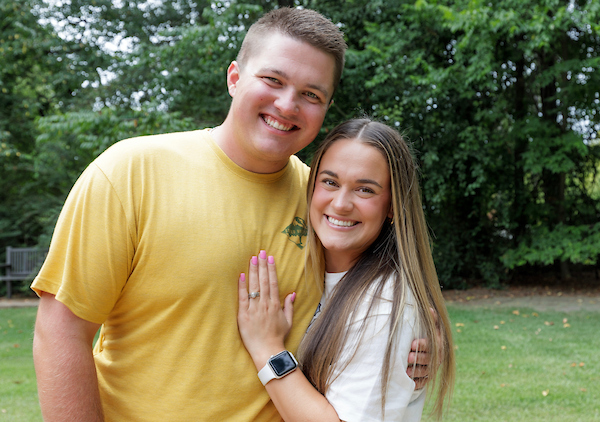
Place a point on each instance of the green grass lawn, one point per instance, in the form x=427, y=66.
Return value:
x=521, y=365
x=18, y=391
x=511, y=366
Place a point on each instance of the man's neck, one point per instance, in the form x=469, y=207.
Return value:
x=223, y=138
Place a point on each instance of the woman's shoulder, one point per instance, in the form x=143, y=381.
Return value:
x=385, y=287
x=378, y=301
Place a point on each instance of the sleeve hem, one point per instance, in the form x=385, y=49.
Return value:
x=39, y=285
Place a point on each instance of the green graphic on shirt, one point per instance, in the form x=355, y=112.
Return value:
x=296, y=232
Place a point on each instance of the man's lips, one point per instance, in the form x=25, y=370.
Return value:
x=275, y=124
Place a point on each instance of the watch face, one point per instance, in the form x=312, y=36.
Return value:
x=282, y=363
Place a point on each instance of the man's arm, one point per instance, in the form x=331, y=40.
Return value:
x=419, y=358
x=64, y=364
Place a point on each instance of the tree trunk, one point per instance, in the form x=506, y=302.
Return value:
x=554, y=183
x=519, y=215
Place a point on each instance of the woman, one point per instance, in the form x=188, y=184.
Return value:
x=367, y=234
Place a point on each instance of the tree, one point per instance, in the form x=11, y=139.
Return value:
x=539, y=60
x=168, y=55
x=106, y=34
x=34, y=80
x=502, y=102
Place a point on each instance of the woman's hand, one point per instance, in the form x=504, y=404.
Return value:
x=262, y=323
x=263, y=326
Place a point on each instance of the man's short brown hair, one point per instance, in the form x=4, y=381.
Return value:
x=300, y=24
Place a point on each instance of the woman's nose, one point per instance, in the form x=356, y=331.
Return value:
x=342, y=202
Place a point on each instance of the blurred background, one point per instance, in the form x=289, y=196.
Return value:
x=500, y=99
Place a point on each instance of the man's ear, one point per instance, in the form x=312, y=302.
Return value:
x=330, y=104
x=233, y=76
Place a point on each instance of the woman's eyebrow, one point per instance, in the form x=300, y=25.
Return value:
x=368, y=182
x=329, y=173
x=361, y=181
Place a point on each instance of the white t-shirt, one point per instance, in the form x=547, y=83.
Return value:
x=356, y=392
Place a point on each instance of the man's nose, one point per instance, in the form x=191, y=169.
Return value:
x=287, y=102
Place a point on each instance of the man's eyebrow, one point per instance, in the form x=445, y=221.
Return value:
x=361, y=181
x=319, y=88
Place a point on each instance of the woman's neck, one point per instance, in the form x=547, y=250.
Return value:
x=336, y=263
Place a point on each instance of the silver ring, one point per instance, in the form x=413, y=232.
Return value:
x=253, y=295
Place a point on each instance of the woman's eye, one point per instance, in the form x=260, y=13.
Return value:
x=366, y=190
x=329, y=182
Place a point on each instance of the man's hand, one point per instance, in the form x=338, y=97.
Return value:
x=419, y=357
x=419, y=360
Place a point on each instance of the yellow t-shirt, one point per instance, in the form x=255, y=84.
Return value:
x=150, y=243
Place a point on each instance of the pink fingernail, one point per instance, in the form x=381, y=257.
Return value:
x=271, y=260
x=254, y=260
x=242, y=277
x=293, y=297
x=263, y=255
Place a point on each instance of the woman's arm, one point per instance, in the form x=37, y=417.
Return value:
x=263, y=325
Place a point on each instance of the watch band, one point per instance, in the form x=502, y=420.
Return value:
x=278, y=366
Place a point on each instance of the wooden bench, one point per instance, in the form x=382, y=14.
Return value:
x=21, y=264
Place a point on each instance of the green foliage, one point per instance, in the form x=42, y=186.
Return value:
x=34, y=81
x=193, y=68
x=164, y=54
x=106, y=37
x=575, y=244
x=493, y=97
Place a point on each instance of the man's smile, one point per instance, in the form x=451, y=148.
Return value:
x=278, y=125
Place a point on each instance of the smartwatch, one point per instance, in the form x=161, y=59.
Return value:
x=278, y=366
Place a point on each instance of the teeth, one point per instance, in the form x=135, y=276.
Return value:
x=275, y=124
x=341, y=223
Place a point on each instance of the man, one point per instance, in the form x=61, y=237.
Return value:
x=155, y=232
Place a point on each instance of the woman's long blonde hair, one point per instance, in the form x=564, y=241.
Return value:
x=403, y=251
